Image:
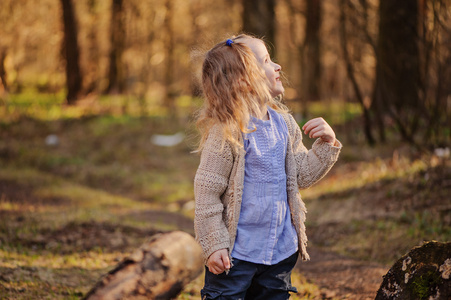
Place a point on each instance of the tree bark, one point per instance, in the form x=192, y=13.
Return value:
x=3, y=83
x=91, y=76
x=312, y=52
x=351, y=75
x=195, y=8
x=159, y=269
x=116, y=77
x=398, y=53
x=377, y=109
x=169, y=59
x=437, y=55
x=259, y=19
x=423, y=273
x=397, y=71
x=71, y=53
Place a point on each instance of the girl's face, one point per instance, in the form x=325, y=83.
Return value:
x=272, y=70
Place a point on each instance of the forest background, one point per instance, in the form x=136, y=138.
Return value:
x=88, y=88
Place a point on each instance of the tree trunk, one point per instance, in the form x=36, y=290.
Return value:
x=293, y=12
x=259, y=19
x=195, y=8
x=351, y=75
x=436, y=71
x=398, y=53
x=71, y=53
x=311, y=72
x=397, y=72
x=116, y=76
x=423, y=273
x=92, y=71
x=169, y=59
x=377, y=109
x=159, y=269
x=3, y=83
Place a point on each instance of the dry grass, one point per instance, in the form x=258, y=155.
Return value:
x=70, y=212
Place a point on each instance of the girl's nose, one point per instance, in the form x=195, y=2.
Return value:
x=277, y=68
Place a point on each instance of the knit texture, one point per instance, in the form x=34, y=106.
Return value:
x=218, y=186
x=266, y=149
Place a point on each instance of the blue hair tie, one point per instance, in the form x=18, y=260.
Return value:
x=229, y=42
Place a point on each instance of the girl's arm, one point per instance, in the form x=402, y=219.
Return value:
x=210, y=183
x=313, y=164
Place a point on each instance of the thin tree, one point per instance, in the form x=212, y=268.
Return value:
x=93, y=53
x=195, y=10
x=3, y=83
x=259, y=18
x=436, y=69
x=169, y=60
x=311, y=71
x=71, y=53
x=6, y=12
x=116, y=81
x=351, y=73
x=397, y=71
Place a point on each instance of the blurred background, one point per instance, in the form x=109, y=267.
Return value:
x=389, y=61
x=97, y=105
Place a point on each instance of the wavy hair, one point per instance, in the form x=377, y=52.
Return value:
x=234, y=88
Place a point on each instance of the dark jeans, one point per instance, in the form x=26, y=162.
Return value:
x=247, y=281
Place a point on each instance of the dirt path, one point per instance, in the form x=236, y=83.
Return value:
x=341, y=277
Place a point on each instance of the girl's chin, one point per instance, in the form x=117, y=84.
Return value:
x=277, y=92
x=276, y=95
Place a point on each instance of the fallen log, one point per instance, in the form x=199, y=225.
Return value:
x=159, y=269
x=423, y=273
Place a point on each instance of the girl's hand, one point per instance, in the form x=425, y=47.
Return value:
x=318, y=128
x=218, y=261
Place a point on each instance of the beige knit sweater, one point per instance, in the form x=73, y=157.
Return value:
x=218, y=186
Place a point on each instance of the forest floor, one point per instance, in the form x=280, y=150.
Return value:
x=70, y=211
x=342, y=277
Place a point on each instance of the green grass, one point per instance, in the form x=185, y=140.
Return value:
x=74, y=210
x=335, y=111
x=379, y=210
x=106, y=182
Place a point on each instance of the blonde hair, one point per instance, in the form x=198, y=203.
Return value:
x=234, y=88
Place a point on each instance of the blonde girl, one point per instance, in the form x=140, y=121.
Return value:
x=249, y=216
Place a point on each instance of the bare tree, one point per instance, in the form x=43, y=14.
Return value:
x=71, y=53
x=351, y=73
x=169, y=62
x=195, y=11
x=93, y=53
x=116, y=77
x=311, y=71
x=436, y=69
x=397, y=72
x=259, y=18
x=3, y=83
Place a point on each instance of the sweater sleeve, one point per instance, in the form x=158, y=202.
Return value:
x=210, y=183
x=313, y=164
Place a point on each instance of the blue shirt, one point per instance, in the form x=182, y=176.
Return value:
x=265, y=233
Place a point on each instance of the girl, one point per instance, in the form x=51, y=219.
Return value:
x=249, y=216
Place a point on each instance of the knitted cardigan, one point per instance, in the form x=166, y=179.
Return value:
x=218, y=186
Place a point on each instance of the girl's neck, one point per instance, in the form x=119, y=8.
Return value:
x=264, y=116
